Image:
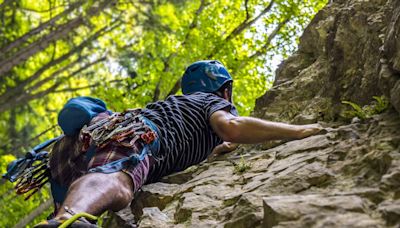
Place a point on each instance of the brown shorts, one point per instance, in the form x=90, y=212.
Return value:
x=140, y=172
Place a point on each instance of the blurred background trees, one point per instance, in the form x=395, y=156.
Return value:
x=128, y=53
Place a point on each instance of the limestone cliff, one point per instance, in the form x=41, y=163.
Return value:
x=347, y=176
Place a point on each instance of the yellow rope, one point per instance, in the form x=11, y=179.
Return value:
x=76, y=217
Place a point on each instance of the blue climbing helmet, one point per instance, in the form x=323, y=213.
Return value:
x=204, y=76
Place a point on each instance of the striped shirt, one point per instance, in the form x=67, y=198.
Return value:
x=186, y=136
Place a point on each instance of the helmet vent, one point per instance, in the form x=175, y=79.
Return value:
x=194, y=68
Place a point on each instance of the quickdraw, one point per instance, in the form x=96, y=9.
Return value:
x=31, y=172
x=125, y=128
x=148, y=137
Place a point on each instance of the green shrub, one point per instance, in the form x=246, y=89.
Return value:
x=379, y=105
x=241, y=167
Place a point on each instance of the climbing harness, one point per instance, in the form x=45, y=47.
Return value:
x=127, y=130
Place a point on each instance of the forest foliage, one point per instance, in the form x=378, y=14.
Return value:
x=127, y=53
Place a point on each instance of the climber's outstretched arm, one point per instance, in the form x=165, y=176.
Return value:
x=252, y=130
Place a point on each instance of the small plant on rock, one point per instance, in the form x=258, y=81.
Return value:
x=242, y=166
x=380, y=105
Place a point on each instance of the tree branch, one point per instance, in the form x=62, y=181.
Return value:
x=44, y=132
x=240, y=28
x=264, y=49
x=15, y=90
x=6, y=2
x=175, y=88
x=44, y=42
x=246, y=6
x=86, y=87
x=192, y=26
x=20, y=145
x=18, y=42
x=27, y=96
x=46, y=10
x=273, y=34
x=157, y=90
x=55, y=74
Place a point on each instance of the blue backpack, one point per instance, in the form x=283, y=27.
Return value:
x=78, y=112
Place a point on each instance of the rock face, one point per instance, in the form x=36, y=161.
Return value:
x=349, y=52
x=347, y=176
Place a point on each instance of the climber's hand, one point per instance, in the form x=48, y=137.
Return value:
x=222, y=148
x=308, y=130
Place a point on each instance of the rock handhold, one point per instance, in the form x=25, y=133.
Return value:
x=317, y=210
x=390, y=211
x=153, y=217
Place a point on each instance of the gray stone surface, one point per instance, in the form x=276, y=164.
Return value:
x=319, y=210
x=346, y=177
x=153, y=217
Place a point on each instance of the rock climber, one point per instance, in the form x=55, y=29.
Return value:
x=141, y=146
